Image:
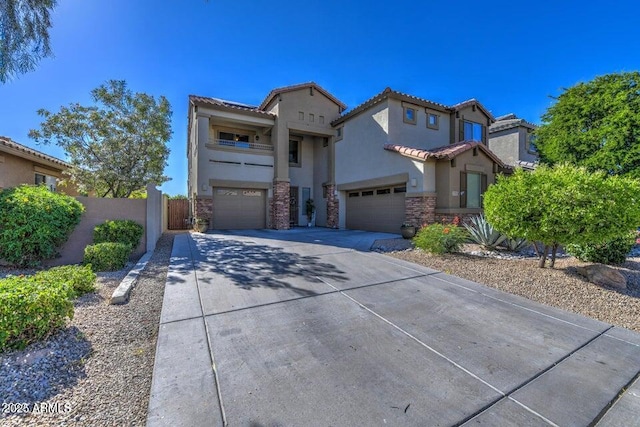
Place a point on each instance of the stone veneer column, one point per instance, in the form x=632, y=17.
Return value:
x=280, y=205
x=204, y=208
x=333, y=214
x=420, y=210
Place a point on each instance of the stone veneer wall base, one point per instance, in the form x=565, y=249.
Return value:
x=280, y=205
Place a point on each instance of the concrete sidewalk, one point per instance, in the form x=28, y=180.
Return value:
x=305, y=328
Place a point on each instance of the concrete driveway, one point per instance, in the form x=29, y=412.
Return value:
x=307, y=328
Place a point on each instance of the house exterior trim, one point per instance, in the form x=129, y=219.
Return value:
x=375, y=182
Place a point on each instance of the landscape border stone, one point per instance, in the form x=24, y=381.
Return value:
x=121, y=293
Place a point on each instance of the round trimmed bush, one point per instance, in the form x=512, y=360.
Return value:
x=612, y=252
x=34, y=223
x=30, y=310
x=107, y=256
x=80, y=278
x=119, y=231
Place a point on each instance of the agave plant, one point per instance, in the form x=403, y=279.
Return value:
x=483, y=233
x=516, y=244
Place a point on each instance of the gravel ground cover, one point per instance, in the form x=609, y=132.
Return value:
x=97, y=371
x=560, y=287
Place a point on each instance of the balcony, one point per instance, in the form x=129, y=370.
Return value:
x=241, y=145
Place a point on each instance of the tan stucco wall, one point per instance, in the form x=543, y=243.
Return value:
x=505, y=144
x=288, y=107
x=416, y=135
x=98, y=210
x=510, y=145
x=247, y=170
x=16, y=170
x=448, y=178
x=360, y=154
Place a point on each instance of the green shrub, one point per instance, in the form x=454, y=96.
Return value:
x=119, y=231
x=34, y=223
x=483, y=233
x=440, y=238
x=106, y=256
x=81, y=279
x=612, y=252
x=30, y=310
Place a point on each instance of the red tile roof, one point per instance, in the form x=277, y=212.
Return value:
x=470, y=102
x=390, y=93
x=231, y=105
x=30, y=152
x=291, y=88
x=447, y=152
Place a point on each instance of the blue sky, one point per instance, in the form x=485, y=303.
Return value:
x=509, y=55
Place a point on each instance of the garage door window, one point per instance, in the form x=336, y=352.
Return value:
x=384, y=191
x=400, y=190
x=367, y=193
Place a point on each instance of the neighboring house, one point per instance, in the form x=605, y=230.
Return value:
x=23, y=165
x=395, y=158
x=512, y=140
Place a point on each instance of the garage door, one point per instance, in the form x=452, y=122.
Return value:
x=238, y=208
x=376, y=209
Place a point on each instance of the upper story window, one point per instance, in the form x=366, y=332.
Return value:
x=294, y=152
x=472, y=131
x=312, y=117
x=410, y=115
x=433, y=121
x=530, y=143
x=339, y=133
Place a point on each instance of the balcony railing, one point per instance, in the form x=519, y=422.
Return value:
x=241, y=145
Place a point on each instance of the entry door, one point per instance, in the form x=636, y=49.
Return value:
x=294, y=205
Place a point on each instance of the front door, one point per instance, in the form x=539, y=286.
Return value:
x=294, y=205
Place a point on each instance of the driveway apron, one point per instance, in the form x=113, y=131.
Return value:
x=308, y=328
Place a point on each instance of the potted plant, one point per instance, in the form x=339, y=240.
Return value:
x=201, y=225
x=310, y=209
x=407, y=230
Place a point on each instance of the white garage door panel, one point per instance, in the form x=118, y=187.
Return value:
x=378, y=209
x=237, y=208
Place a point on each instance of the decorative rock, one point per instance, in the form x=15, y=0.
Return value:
x=602, y=275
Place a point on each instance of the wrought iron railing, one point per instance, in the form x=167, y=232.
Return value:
x=241, y=144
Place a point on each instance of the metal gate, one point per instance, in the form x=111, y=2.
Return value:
x=178, y=214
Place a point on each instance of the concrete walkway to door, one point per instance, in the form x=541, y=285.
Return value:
x=307, y=328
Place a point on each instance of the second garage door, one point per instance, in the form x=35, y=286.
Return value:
x=376, y=209
x=238, y=208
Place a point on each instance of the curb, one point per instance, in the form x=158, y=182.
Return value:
x=121, y=294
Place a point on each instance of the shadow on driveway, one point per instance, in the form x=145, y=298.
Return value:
x=248, y=266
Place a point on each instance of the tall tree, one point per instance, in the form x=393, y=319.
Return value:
x=563, y=205
x=596, y=125
x=24, y=35
x=115, y=147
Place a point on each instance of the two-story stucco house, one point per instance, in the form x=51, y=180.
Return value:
x=512, y=140
x=23, y=165
x=395, y=158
